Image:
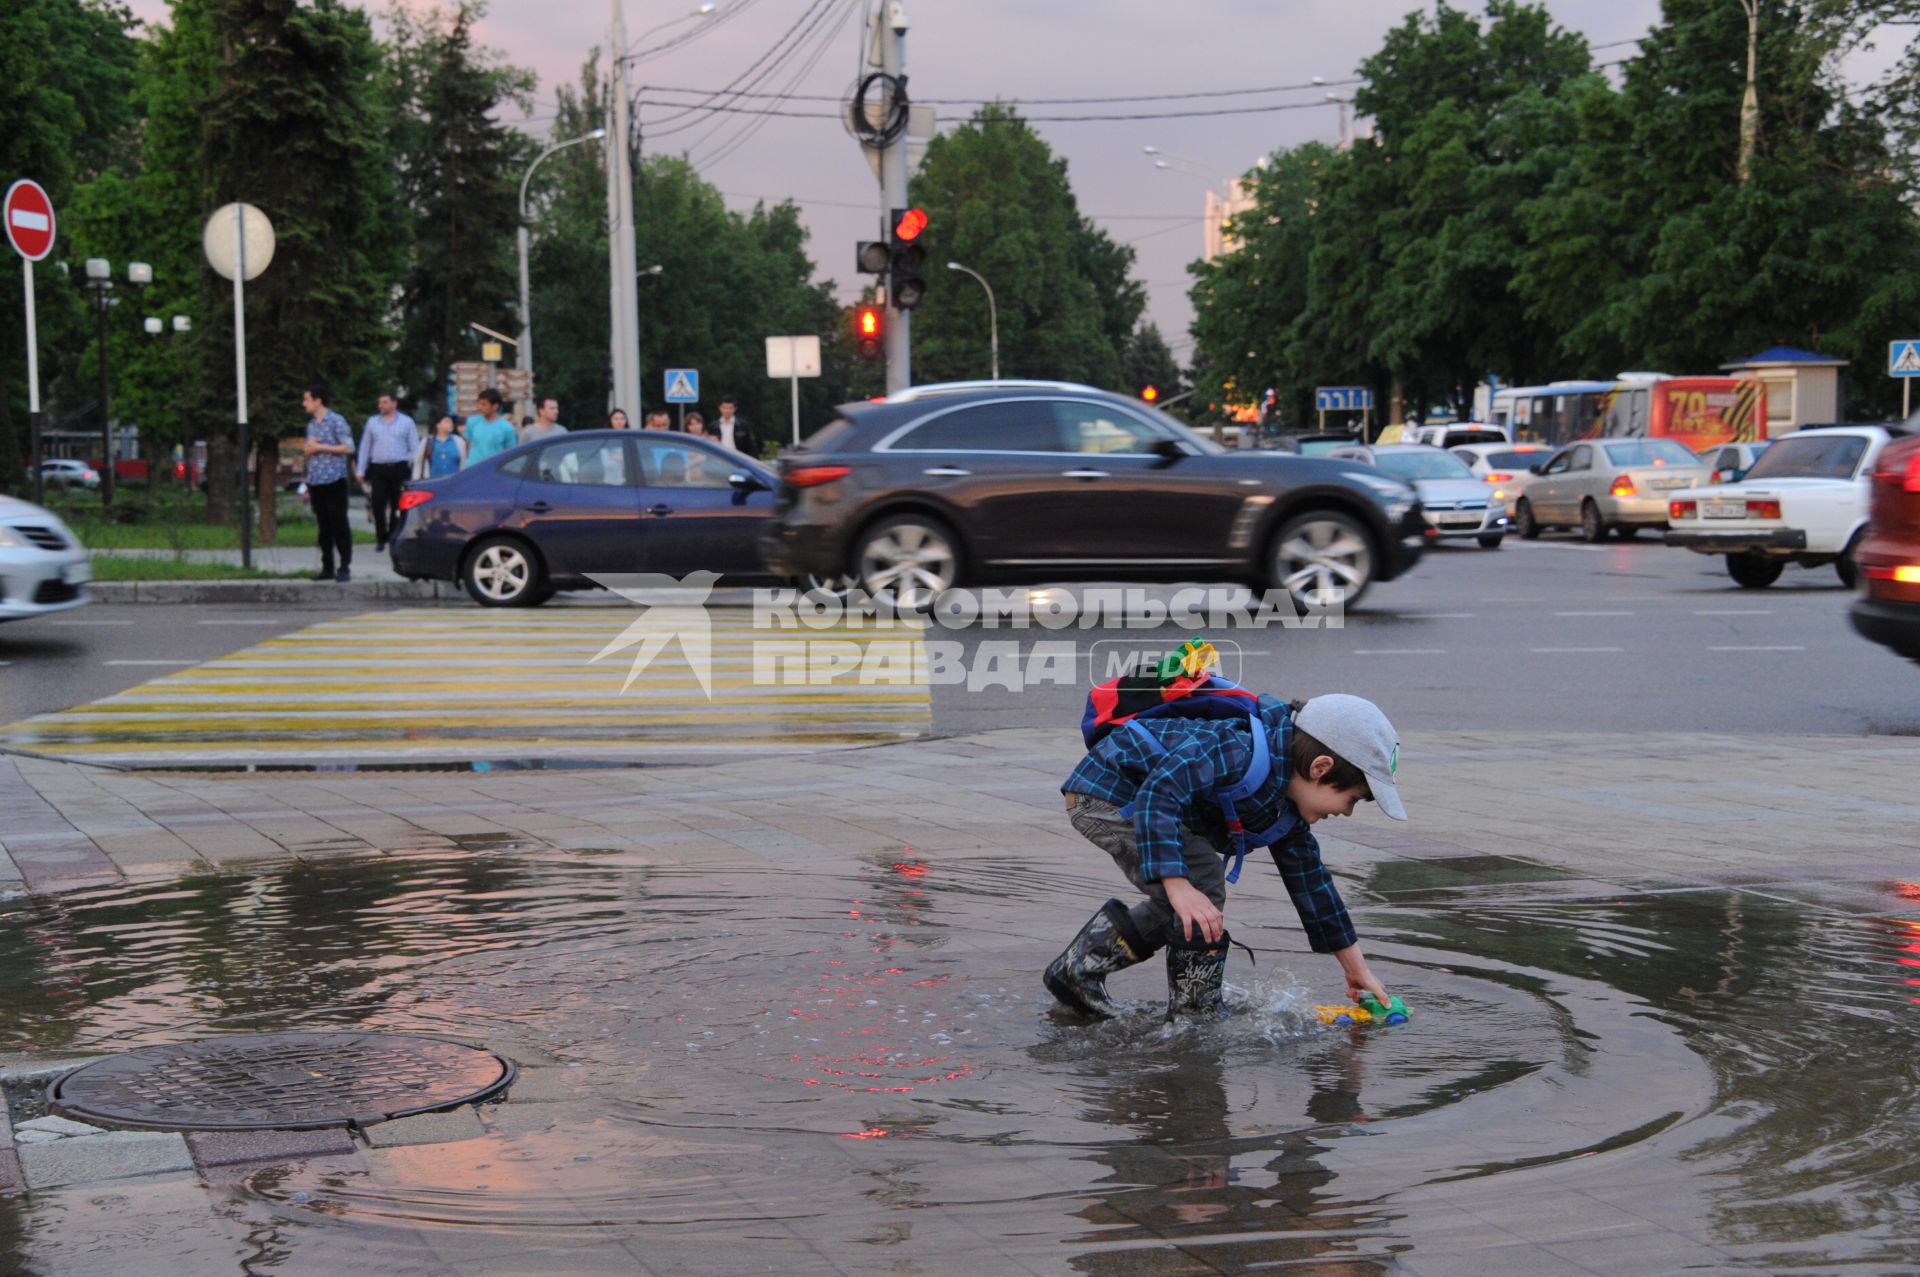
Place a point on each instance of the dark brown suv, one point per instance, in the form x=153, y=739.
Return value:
x=1888, y=610
x=1000, y=483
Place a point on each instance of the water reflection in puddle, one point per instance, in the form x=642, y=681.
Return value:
x=857, y=1070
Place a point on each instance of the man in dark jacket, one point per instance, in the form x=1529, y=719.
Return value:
x=732, y=431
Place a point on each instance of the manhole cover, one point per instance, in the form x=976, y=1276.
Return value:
x=279, y=1081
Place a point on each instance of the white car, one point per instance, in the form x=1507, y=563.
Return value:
x=1501, y=465
x=1456, y=505
x=65, y=472
x=1804, y=501
x=43, y=566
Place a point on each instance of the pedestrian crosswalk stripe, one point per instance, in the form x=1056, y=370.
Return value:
x=437, y=685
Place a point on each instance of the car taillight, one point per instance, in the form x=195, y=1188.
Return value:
x=1763, y=509
x=814, y=476
x=1912, y=481
x=419, y=496
x=1682, y=509
x=1623, y=487
x=1908, y=478
x=1904, y=574
x=1499, y=476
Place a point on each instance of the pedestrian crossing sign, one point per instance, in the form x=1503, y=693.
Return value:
x=683, y=385
x=1903, y=359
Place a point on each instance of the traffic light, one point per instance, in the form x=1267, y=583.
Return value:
x=907, y=267
x=1150, y=394
x=869, y=333
x=873, y=257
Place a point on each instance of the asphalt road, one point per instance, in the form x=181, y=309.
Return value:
x=1536, y=636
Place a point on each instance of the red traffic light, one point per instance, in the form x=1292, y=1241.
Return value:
x=910, y=224
x=1149, y=394
x=868, y=327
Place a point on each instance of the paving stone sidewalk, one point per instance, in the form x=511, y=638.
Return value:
x=1690, y=807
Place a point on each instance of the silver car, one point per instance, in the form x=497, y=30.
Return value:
x=43, y=566
x=1604, y=485
x=65, y=472
x=1457, y=504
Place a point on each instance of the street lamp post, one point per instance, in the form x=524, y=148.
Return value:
x=100, y=284
x=525, y=349
x=993, y=313
x=180, y=326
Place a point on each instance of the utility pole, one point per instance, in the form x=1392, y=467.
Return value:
x=1750, y=101
x=623, y=289
x=892, y=40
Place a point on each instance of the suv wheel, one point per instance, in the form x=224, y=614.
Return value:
x=1322, y=558
x=908, y=559
x=1523, y=521
x=502, y=572
x=1754, y=571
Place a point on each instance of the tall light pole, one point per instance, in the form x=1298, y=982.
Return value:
x=100, y=284
x=622, y=255
x=1750, y=101
x=993, y=314
x=1345, y=102
x=525, y=349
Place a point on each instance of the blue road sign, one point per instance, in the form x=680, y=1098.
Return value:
x=683, y=385
x=1903, y=358
x=1342, y=398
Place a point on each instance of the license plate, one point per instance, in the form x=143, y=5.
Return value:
x=76, y=573
x=1663, y=485
x=1723, y=509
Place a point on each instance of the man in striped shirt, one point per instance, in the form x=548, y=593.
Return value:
x=1146, y=795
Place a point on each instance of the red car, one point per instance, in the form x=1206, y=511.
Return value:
x=1889, y=559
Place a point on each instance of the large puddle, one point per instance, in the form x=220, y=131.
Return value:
x=859, y=1072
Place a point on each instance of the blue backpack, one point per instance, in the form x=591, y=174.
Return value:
x=1121, y=704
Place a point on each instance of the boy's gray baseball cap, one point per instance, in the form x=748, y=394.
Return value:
x=1354, y=728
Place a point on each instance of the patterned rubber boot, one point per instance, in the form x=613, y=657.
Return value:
x=1196, y=973
x=1108, y=943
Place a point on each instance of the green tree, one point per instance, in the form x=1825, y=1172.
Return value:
x=67, y=115
x=998, y=200
x=459, y=173
x=1149, y=361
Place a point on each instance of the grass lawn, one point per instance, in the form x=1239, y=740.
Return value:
x=171, y=520
x=113, y=567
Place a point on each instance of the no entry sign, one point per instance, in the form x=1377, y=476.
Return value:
x=28, y=215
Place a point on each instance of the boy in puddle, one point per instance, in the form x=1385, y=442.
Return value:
x=1149, y=795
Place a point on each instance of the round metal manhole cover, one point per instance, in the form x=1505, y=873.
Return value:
x=279, y=1081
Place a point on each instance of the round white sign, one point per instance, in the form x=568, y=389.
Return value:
x=219, y=239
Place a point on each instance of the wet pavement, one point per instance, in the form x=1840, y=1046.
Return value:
x=787, y=1017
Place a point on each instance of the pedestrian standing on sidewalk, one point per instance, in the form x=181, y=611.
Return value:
x=387, y=446
x=546, y=420
x=488, y=432
x=732, y=431
x=329, y=446
x=697, y=426
x=443, y=453
x=658, y=419
x=617, y=420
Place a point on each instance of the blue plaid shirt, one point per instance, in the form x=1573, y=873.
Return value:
x=1176, y=789
x=328, y=467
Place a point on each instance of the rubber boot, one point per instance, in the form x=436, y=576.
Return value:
x=1108, y=943
x=1196, y=973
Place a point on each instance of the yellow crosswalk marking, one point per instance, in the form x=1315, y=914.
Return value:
x=416, y=685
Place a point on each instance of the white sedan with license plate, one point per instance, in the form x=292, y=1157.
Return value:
x=1804, y=501
x=43, y=566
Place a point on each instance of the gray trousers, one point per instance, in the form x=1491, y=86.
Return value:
x=1100, y=823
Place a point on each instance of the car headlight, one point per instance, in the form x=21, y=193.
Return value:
x=9, y=538
x=1397, y=510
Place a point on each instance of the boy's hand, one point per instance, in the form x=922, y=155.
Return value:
x=1196, y=911
x=1359, y=977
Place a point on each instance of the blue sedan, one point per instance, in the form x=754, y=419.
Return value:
x=551, y=515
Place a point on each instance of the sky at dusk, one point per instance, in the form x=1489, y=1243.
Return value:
x=1015, y=49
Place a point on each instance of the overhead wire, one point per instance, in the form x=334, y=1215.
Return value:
x=746, y=134
x=781, y=47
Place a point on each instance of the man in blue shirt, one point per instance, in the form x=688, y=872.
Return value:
x=387, y=449
x=1146, y=795
x=489, y=433
x=329, y=445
